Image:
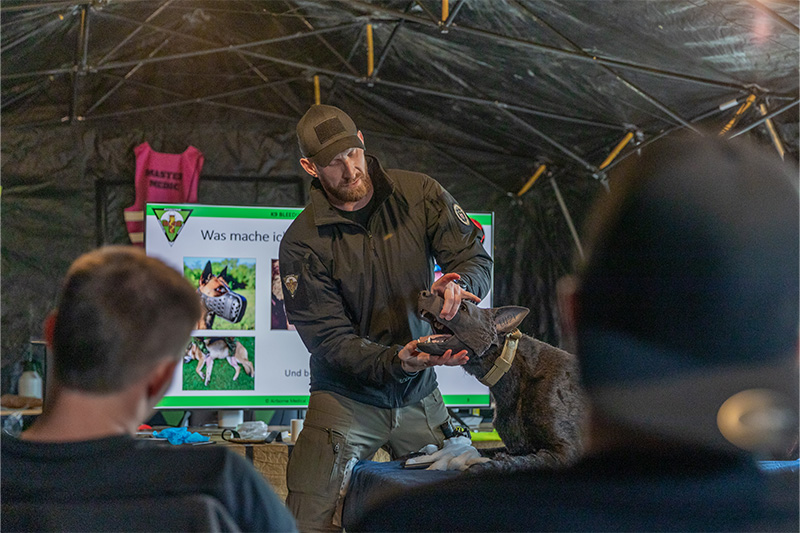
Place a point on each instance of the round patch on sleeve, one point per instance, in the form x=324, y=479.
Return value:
x=460, y=214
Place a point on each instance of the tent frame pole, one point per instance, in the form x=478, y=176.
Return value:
x=627, y=83
x=567, y=217
x=598, y=60
x=566, y=151
x=79, y=70
x=766, y=118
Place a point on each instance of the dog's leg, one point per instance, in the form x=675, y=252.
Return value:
x=241, y=356
x=235, y=365
x=503, y=462
x=201, y=362
x=209, y=366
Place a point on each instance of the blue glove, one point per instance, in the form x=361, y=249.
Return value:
x=179, y=436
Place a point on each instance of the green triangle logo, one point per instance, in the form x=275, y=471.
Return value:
x=172, y=221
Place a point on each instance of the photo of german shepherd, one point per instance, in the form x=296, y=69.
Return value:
x=198, y=364
x=226, y=294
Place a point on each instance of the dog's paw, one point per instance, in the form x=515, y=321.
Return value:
x=506, y=462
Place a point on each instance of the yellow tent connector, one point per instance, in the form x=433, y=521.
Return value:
x=445, y=10
x=532, y=180
x=776, y=140
x=370, y=52
x=739, y=112
x=615, y=152
x=316, y=90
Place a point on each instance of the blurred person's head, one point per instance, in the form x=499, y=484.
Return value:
x=120, y=313
x=686, y=309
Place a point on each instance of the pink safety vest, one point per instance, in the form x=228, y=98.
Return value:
x=164, y=178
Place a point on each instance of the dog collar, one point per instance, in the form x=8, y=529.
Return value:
x=503, y=363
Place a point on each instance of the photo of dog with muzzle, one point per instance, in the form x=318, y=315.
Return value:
x=225, y=294
x=227, y=288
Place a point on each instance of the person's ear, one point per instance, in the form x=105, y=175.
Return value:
x=159, y=379
x=309, y=167
x=49, y=328
x=361, y=136
x=567, y=296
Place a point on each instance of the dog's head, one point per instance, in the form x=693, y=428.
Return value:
x=474, y=328
x=193, y=352
x=211, y=285
x=218, y=296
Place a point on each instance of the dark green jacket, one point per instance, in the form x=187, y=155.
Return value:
x=352, y=291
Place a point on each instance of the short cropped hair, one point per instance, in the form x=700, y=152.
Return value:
x=119, y=313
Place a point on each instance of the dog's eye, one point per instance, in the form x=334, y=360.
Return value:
x=462, y=307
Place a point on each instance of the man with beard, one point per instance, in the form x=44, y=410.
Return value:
x=352, y=264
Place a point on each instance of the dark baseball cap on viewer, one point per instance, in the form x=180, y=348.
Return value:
x=324, y=132
x=688, y=304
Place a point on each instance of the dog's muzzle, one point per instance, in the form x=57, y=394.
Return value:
x=230, y=306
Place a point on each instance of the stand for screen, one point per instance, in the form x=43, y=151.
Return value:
x=230, y=418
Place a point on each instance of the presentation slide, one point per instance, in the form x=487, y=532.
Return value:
x=244, y=353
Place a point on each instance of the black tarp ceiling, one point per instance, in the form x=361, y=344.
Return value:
x=480, y=100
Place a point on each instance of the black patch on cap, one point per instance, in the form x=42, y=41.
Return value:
x=327, y=129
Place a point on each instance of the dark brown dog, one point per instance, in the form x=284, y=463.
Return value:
x=539, y=405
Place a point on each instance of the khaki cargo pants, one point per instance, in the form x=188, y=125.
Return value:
x=336, y=430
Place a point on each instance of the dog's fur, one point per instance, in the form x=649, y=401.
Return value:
x=218, y=349
x=539, y=404
x=210, y=285
x=194, y=353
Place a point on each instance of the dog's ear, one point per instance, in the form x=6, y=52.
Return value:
x=207, y=273
x=509, y=317
x=224, y=272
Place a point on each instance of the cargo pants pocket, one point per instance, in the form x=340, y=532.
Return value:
x=435, y=413
x=314, y=476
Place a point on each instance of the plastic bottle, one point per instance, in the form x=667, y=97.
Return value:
x=30, y=382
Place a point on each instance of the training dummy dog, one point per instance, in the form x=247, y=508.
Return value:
x=539, y=405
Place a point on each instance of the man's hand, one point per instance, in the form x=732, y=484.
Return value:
x=447, y=288
x=412, y=360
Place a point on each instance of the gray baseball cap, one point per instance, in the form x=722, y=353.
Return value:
x=324, y=132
